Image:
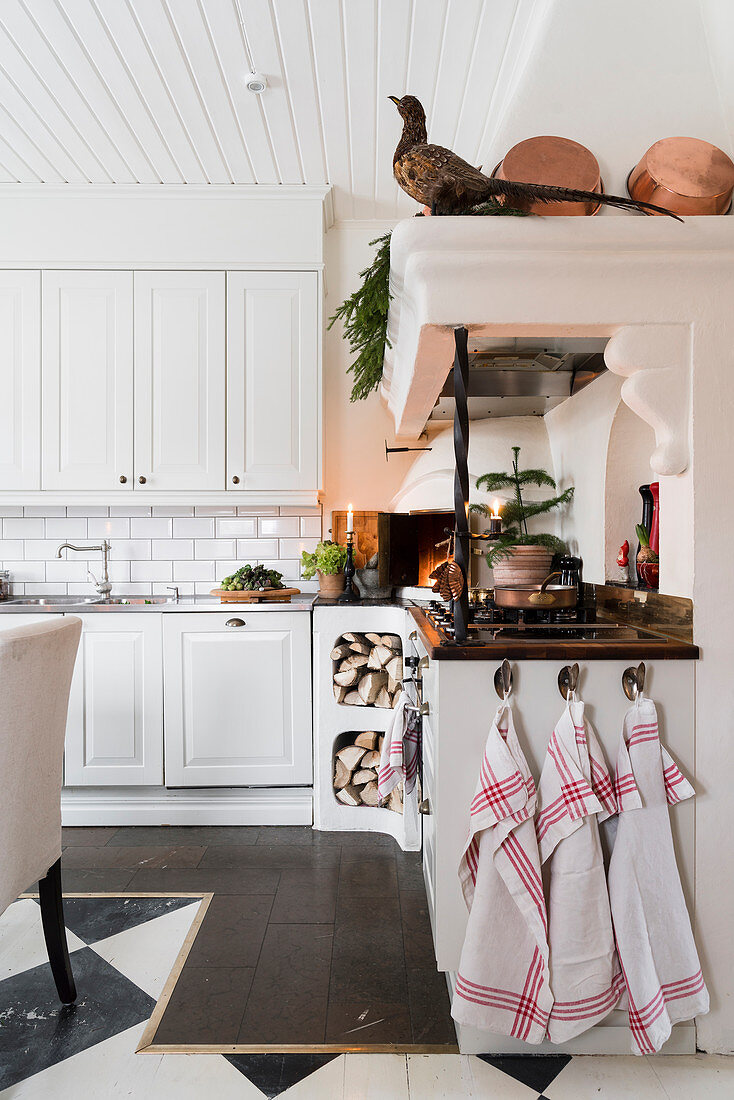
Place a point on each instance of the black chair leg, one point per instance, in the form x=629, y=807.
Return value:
x=52, y=916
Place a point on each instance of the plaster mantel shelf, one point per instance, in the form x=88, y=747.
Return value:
x=640, y=280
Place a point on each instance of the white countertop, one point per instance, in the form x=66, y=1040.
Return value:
x=149, y=603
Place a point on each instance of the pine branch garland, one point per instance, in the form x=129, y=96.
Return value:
x=364, y=312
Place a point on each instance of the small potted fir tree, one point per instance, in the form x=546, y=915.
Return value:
x=327, y=561
x=519, y=556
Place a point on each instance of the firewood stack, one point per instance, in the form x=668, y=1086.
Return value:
x=355, y=773
x=368, y=669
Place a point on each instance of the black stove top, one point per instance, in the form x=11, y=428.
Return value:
x=488, y=622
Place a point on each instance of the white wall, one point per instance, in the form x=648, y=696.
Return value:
x=578, y=431
x=631, y=442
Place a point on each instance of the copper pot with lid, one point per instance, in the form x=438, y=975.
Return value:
x=684, y=175
x=555, y=161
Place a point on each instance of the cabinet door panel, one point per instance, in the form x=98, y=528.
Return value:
x=273, y=390
x=238, y=700
x=87, y=376
x=20, y=380
x=114, y=732
x=179, y=380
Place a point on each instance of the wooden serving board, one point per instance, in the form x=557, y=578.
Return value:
x=269, y=595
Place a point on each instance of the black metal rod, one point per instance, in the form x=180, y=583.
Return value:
x=461, y=480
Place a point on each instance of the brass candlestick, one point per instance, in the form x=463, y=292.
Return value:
x=351, y=592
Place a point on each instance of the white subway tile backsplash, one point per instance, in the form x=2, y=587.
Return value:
x=289, y=569
x=199, y=528
x=300, y=510
x=116, y=527
x=23, y=529
x=215, y=548
x=282, y=526
x=150, y=528
x=64, y=528
x=11, y=548
x=43, y=510
x=129, y=510
x=131, y=549
x=34, y=549
x=151, y=570
x=311, y=527
x=293, y=548
x=86, y=511
x=237, y=528
x=21, y=571
x=256, y=549
x=194, y=571
x=170, y=549
x=152, y=547
x=64, y=571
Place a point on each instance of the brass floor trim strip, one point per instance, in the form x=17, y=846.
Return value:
x=298, y=1048
x=144, y=1046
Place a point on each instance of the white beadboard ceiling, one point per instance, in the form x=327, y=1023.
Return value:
x=152, y=91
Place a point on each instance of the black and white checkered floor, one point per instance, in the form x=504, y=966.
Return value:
x=123, y=950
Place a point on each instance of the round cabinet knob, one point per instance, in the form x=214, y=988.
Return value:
x=142, y=480
x=123, y=479
x=235, y=480
x=235, y=622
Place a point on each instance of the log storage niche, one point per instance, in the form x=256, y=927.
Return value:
x=356, y=761
x=367, y=669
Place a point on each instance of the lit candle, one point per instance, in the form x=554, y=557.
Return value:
x=495, y=520
x=350, y=520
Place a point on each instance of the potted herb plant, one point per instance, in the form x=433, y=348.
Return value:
x=519, y=556
x=328, y=561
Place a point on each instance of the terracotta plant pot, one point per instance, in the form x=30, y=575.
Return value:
x=330, y=584
x=526, y=565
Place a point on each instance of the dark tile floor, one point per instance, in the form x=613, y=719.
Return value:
x=311, y=938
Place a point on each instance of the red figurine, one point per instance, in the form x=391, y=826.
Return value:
x=623, y=561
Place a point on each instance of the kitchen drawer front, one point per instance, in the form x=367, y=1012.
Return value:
x=237, y=699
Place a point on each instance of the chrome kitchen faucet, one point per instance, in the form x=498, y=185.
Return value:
x=104, y=587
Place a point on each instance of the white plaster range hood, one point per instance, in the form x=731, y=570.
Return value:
x=635, y=284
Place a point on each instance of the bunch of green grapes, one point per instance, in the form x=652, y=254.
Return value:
x=252, y=578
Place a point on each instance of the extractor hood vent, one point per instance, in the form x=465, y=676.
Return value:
x=526, y=380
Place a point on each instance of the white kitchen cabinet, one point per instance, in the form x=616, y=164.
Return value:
x=273, y=381
x=179, y=380
x=87, y=380
x=237, y=698
x=114, y=733
x=20, y=380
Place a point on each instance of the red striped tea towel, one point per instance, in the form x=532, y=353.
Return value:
x=651, y=924
x=575, y=793
x=399, y=759
x=502, y=985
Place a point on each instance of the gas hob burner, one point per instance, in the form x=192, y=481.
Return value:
x=487, y=621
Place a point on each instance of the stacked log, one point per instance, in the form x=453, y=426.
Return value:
x=355, y=773
x=368, y=669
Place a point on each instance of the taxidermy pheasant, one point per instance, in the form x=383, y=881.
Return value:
x=438, y=178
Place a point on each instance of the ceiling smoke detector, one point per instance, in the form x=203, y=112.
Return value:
x=256, y=83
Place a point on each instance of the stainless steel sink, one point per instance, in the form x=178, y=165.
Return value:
x=82, y=601
x=55, y=601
